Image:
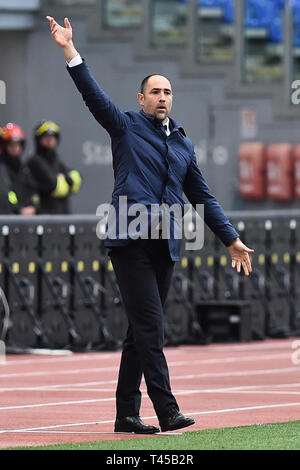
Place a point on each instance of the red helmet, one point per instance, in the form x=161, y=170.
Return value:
x=13, y=133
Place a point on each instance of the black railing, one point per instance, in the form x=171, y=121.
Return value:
x=59, y=290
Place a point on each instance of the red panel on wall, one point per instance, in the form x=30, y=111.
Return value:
x=297, y=171
x=280, y=172
x=252, y=164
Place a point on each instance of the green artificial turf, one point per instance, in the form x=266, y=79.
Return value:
x=278, y=436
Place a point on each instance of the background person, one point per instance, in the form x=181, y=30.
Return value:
x=18, y=194
x=54, y=180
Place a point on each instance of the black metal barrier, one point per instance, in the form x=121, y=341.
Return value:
x=58, y=288
x=56, y=279
x=233, y=307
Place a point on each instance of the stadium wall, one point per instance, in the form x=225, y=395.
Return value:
x=38, y=87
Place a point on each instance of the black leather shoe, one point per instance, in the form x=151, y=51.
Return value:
x=175, y=420
x=134, y=424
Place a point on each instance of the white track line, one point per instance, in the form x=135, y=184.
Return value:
x=194, y=413
x=226, y=360
x=75, y=357
x=59, y=372
x=245, y=408
x=89, y=423
x=233, y=359
x=144, y=394
x=172, y=433
x=184, y=392
x=282, y=370
x=58, y=386
x=199, y=392
x=249, y=387
x=78, y=387
x=266, y=345
x=56, y=389
x=95, y=355
x=260, y=392
x=55, y=426
x=58, y=403
x=173, y=378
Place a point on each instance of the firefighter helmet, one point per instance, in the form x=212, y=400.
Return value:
x=46, y=128
x=12, y=133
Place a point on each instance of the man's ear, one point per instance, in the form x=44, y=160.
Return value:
x=141, y=98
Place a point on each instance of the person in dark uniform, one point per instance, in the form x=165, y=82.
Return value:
x=152, y=165
x=1, y=133
x=55, y=181
x=18, y=194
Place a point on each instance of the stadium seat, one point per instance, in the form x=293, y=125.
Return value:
x=297, y=33
x=280, y=4
x=266, y=14
x=276, y=29
x=296, y=14
x=229, y=12
x=259, y=13
x=276, y=26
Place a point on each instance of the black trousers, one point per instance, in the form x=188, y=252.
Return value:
x=143, y=270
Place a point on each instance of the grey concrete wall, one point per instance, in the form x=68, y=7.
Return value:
x=38, y=86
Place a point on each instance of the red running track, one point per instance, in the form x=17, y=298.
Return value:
x=71, y=398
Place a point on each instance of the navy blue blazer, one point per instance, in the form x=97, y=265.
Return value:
x=149, y=166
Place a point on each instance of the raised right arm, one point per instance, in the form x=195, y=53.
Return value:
x=100, y=105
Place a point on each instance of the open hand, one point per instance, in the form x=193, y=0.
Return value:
x=240, y=256
x=28, y=210
x=62, y=36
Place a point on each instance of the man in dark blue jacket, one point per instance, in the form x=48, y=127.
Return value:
x=154, y=164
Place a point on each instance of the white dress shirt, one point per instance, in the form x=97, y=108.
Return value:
x=166, y=126
x=75, y=61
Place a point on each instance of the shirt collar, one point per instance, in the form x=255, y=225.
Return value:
x=156, y=121
x=167, y=124
x=171, y=121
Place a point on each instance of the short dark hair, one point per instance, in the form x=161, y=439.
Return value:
x=145, y=81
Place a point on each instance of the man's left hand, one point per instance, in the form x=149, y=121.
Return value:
x=240, y=256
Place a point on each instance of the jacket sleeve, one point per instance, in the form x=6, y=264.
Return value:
x=72, y=176
x=198, y=192
x=99, y=104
